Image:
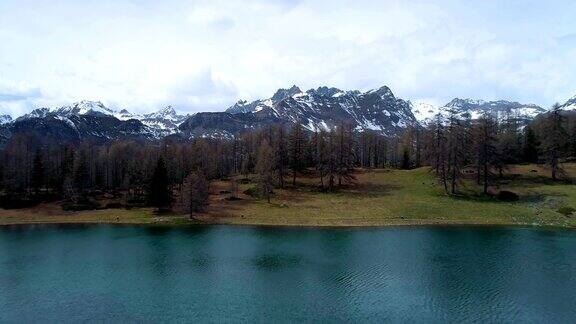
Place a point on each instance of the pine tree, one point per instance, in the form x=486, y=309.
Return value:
x=530, y=149
x=405, y=164
x=159, y=194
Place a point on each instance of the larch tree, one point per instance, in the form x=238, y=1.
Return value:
x=297, y=151
x=265, y=170
x=195, y=193
x=485, y=147
x=554, y=141
x=437, y=151
x=456, y=147
x=280, y=154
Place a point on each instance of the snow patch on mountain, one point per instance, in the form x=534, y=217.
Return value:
x=5, y=119
x=424, y=111
x=159, y=124
x=569, y=105
x=475, y=108
x=327, y=107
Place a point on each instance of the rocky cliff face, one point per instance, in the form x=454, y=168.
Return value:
x=378, y=110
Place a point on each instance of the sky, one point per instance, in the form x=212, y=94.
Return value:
x=143, y=55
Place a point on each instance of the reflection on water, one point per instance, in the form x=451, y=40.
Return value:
x=226, y=274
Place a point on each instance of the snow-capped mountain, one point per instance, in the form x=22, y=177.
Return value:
x=322, y=108
x=5, y=119
x=501, y=109
x=569, y=105
x=158, y=124
x=424, y=111
x=473, y=108
x=325, y=107
x=94, y=121
x=84, y=107
x=165, y=121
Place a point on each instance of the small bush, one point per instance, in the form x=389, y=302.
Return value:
x=505, y=195
x=566, y=210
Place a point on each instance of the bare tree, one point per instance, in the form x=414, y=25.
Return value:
x=265, y=169
x=554, y=141
x=195, y=193
x=485, y=147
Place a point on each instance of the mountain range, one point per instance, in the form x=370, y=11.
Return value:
x=376, y=110
x=501, y=109
x=322, y=108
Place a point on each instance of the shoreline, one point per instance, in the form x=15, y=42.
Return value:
x=181, y=222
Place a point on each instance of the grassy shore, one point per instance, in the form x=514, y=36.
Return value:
x=378, y=198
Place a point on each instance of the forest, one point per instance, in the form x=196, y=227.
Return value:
x=175, y=174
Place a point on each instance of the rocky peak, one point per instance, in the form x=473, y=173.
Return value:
x=383, y=91
x=167, y=112
x=326, y=91
x=82, y=108
x=326, y=107
x=282, y=94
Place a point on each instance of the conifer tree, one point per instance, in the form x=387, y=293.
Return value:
x=159, y=194
x=530, y=149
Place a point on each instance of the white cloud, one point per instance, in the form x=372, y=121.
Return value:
x=204, y=55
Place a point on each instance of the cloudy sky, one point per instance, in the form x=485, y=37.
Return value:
x=205, y=55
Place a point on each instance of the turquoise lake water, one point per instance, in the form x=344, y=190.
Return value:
x=98, y=273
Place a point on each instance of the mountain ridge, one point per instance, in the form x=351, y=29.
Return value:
x=325, y=107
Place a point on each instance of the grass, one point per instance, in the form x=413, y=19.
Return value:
x=378, y=198
x=396, y=197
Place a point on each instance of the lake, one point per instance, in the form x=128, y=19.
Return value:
x=53, y=273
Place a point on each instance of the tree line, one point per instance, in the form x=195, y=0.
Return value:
x=178, y=172
x=486, y=146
